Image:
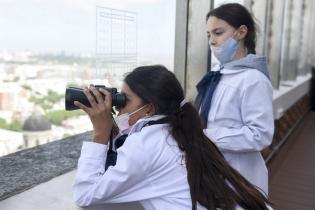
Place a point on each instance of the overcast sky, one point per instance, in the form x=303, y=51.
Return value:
x=69, y=25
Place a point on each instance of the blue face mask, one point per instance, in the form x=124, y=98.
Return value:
x=226, y=51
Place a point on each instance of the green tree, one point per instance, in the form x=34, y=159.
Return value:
x=13, y=126
x=26, y=87
x=56, y=117
x=16, y=79
x=3, y=124
x=47, y=102
x=53, y=96
x=16, y=126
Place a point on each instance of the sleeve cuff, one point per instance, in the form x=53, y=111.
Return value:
x=210, y=133
x=94, y=150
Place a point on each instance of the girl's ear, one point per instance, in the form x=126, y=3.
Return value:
x=242, y=32
x=151, y=110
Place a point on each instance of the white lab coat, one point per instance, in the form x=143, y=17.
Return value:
x=241, y=123
x=149, y=169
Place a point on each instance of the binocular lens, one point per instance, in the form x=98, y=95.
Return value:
x=77, y=94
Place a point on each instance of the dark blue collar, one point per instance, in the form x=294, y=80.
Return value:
x=206, y=87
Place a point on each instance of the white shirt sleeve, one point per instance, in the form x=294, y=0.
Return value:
x=258, y=122
x=124, y=182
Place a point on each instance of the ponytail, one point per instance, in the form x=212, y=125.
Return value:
x=213, y=182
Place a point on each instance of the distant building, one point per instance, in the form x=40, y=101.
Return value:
x=13, y=101
x=116, y=41
x=6, y=101
x=36, y=130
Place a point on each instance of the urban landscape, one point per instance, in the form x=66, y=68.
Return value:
x=32, y=92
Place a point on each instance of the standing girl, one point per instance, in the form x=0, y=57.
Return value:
x=235, y=97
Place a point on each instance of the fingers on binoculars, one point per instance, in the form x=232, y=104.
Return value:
x=97, y=94
x=90, y=97
x=81, y=106
x=108, y=97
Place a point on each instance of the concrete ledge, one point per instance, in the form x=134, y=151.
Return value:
x=25, y=169
x=289, y=93
x=56, y=194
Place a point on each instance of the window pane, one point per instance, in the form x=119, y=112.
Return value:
x=274, y=39
x=307, y=40
x=259, y=9
x=292, y=38
x=49, y=45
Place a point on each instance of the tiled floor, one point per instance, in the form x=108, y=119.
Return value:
x=292, y=172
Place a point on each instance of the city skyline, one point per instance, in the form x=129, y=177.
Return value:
x=70, y=26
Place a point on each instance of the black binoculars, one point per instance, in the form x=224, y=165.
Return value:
x=77, y=94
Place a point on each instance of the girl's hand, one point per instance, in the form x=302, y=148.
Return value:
x=99, y=113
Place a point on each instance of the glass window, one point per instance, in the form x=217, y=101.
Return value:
x=291, y=47
x=49, y=45
x=274, y=40
x=306, y=41
x=259, y=9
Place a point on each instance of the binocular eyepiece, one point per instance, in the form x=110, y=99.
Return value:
x=77, y=94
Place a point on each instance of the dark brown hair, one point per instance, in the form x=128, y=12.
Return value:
x=212, y=181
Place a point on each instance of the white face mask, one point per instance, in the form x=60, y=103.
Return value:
x=122, y=121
